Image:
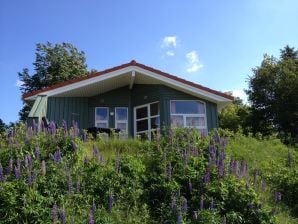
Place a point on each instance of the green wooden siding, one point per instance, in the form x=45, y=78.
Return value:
x=83, y=109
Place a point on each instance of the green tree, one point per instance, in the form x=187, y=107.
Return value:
x=236, y=116
x=53, y=64
x=273, y=94
x=3, y=126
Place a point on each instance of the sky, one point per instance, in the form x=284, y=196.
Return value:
x=211, y=42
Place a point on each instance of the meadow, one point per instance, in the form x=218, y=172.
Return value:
x=64, y=175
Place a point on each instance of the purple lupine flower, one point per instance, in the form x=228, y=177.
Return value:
x=63, y=216
x=190, y=186
x=69, y=184
x=221, y=164
x=52, y=128
x=243, y=169
x=43, y=167
x=93, y=209
x=27, y=141
x=76, y=128
x=184, y=205
x=37, y=153
x=28, y=161
x=95, y=151
x=57, y=156
x=19, y=163
x=35, y=126
x=195, y=215
x=90, y=218
x=64, y=125
x=179, y=218
x=17, y=172
x=2, y=177
x=185, y=157
x=55, y=213
x=206, y=176
x=84, y=136
x=195, y=152
x=10, y=166
x=277, y=196
x=202, y=203
x=34, y=176
x=74, y=146
x=110, y=203
x=29, y=179
x=173, y=205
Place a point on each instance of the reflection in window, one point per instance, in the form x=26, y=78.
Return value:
x=189, y=113
x=101, y=117
x=121, y=118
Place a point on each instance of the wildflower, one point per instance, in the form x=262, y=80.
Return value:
x=2, y=177
x=63, y=216
x=57, y=156
x=64, y=125
x=29, y=180
x=90, y=218
x=277, y=196
x=206, y=176
x=17, y=173
x=43, y=167
x=174, y=204
x=202, y=203
x=37, y=153
x=55, y=213
x=190, y=186
x=52, y=128
x=95, y=151
x=212, y=204
x=184, y=205
x=256, y=172
x=195, y=215
x=78, y=186
x=117, y=164
x=110, y=203
x=10, y=166
x=221, y=165
x=179, y=218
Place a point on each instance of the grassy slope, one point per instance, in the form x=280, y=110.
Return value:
x=266, y=156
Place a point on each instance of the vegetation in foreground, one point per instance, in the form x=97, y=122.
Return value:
x=60, y=176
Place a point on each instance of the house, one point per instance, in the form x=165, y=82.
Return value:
x=132, y=97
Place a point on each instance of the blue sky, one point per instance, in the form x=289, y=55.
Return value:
x=213, y=43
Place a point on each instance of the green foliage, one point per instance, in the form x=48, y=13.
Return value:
x=53, y=64
x=273, y=94
x=235, y=117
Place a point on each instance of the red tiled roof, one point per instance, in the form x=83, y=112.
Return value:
x=132, y=63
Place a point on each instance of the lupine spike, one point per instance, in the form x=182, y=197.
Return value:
x=202, y=203
x=179, y=218
x=69, y=184
x=110, y=203
x=43, y=168
x=37, y=153
x=55, y=213
x=63, y=216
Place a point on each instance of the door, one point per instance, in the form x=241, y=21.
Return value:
x=146, y=120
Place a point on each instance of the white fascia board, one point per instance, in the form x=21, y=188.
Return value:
x=83, y=83
x=185, y=86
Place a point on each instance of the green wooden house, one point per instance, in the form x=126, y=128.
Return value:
x=132, y=97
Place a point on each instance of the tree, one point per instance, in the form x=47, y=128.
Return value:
x=273, y=94
x=53, y=64
x=2, y=126
x=236, y=116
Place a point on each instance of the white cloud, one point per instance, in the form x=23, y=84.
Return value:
x=19, y=83
x=169, y=41
x=170, y=53
x=193, y=63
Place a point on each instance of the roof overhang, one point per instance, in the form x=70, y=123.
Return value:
x=128, y=75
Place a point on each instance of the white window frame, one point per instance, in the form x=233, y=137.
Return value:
x=148, y=118
x=102, y=121
x=191, y=115
x=121, y=121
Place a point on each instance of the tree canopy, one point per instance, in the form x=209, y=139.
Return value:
x=53, y=64
x=273, y=94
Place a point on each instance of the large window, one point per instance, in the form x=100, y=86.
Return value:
x=102, y=117
x=121, y=118
x=147, y=120
x=189, y=113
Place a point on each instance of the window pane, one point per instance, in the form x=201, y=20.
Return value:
x=187, y=107
x=177, y=121
x=155, y=122
x=121, y=114
x=154, y=109
x=142, y=125
x=101, y=113
x=121, y=126
x=101, y=125
x=142, y=112
x=195, y=121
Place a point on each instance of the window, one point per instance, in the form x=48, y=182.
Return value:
x=101, y=117
x=147, y=120
x=121, y=118
x=189, y=113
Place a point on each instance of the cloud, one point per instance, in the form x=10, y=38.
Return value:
x=170, y=53
x=19, y=83
x=169, y=41
x=193, y=63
